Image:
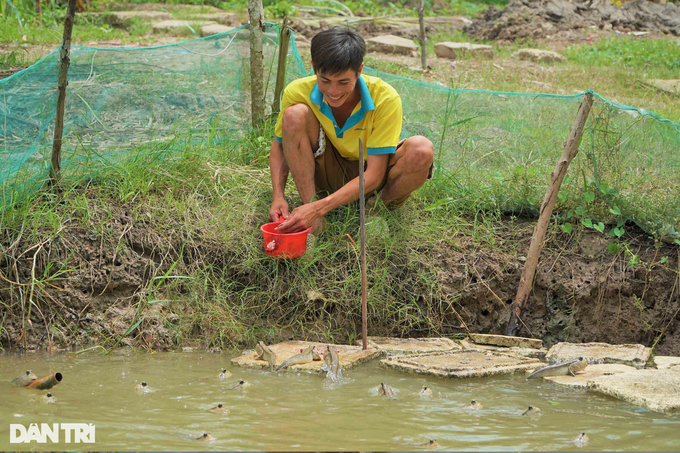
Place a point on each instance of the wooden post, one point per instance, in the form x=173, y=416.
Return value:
x=256, y=61
x=568, y=153
x=55, y=170
x=423, y=39
x=362, y=234
x=284, y=39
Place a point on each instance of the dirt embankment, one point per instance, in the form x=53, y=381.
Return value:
x=543, y=18
x=88, y=288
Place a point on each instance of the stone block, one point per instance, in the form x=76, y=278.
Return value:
x=628, y=354
x=177, y=26
x=391, y=44
x=537, y=55
x=655, y=390
x=214, y=29
x=406, y=346
x=505, y=340
x=455, y=50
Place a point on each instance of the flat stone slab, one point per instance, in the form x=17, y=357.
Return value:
x=214, y=29
x=671, y=86
x=538, y=55
x=663, y=362
x=405, y=346
x=513, y=351
x=592, y=371
x=391, y=44
x=628, y=354
x=655, y=390
x=178, y=25
x=221, y=18
x=460, y=364
x=349, y=356
x=121, y=18
x=455, y=50
x=505, y=340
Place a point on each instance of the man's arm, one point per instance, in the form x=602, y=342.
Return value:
x=279, y=173
x=304, y=216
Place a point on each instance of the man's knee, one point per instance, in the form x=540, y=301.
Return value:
x=296, y=116
x=420, y=152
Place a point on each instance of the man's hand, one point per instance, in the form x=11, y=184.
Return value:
x=300, y=219
x=279, y=209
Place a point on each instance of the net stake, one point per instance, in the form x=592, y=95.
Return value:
x=255, y=11
x=568, y=153
x=55, y=168
x=362, y=233
x=284, y=38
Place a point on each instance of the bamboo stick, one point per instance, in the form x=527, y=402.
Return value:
x=55, y=169
x=255, y=12
x=568, y=153
x=423, y=39
x=284, y=39
x=362, y=234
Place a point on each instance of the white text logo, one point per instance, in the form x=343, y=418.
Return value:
x=73, y=432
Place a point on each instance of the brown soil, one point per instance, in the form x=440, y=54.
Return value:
x=522, y=19
x=581, y=292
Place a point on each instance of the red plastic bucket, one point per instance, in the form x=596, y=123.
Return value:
x=284, y=246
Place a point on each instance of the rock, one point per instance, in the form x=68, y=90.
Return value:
x=504, y=340
x=542, y=56
x=655, y=390
x=515, y=352
x=123, y=18
x=663, y=362
x=592, y=371
x=455, y=50
x=460, y=364
x=404, y=346
x=175, y=26
x=391, y=44
x=214, y=29
x=628, y=354
x=221, y=18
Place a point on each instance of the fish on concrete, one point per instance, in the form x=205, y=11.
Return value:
x=305, y=356
x=265, y=353
x=561, y=369
x=332, y=361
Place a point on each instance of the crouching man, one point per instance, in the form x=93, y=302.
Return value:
x=317, y=137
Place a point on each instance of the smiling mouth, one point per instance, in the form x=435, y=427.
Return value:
x=334, y=99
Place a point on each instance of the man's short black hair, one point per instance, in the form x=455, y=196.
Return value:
x=337, y=50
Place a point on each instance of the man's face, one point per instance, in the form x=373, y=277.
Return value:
x=338, y=88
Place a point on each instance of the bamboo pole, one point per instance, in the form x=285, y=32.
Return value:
x=256, y=61
x=284, y=38
x=568, y=153
x=423, y=39
x=362, y=234
x=55, y=169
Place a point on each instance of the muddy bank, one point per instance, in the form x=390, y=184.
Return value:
x=545, y=18
x=162, y=284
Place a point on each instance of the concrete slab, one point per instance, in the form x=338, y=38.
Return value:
x=405, y=346
x=175, y=26
x=460, y=364
x=391, y=44
x=541, y=56
x=123, y=18
x=516, y=352
x=505, y=340
x=655, y=390
x=214, y=29
x=671, y=86
x=455, y=50
x=349, y=356
x=663, y=362
x=592, y=371
x=628, y=354
x=221, y=18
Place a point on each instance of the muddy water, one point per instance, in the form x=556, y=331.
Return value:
x=290, y=411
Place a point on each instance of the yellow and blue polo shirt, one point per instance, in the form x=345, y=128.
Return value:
x=376, y=119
